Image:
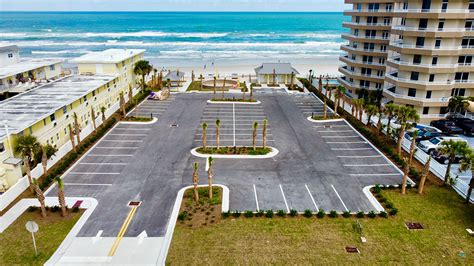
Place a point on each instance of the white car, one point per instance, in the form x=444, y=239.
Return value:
x=431, y=145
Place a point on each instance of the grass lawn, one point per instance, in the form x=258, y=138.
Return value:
x=322, y=241
x=16, y=245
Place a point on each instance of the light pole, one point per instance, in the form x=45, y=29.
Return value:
x=8, y=137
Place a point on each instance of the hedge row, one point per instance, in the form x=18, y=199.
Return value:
x=307, y=213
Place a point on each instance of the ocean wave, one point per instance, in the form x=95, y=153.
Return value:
x=49, y=34
x=62, y=52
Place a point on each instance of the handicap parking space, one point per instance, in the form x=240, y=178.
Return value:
x=152, y=108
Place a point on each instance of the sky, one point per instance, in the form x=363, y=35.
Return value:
x=172, y=5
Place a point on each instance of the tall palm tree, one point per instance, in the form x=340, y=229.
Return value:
x=130, y=94
x=391, y=111
x=371, y=110
x=358, y=104
x=424, y=175
x=218, y=134
x=93, y=119
x=292, y=83
x=405, y=114
x=71, y=137
x=251, y=92
x=340, y=93
x=102, y=110
x=243, y=91
x=223, y=89
x=466, y=164
x=160, y=80
x=142, y=68
x=254, y=135
x=406, y=169
x=379, y=121
x=451, y=149
x=414, y=135
x=204, y=135
x=210, y=175
x=264, y=134
x=154, y=78
x=274, y=77
x=215, y=84
x=122, y=104
x=77, y=128
x=200, y=80
x=196, y=181
x=320, y=84
x=47, y=151
x=61, y=197
x=193, y=77
x=458, y=104
x=26, y=146
x=40, y=196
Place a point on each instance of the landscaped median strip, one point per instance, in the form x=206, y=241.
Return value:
x=273, y=152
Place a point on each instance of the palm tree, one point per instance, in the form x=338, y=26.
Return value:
x=458, y=103
x=320, y=84
x=254, y=135
x=142, y=68
x=130, y=94
x=424, y=175
x=47, y=151
x=466, y=164
x=26, y=146
x=405, y=114
x=390, y=110
x=292, y=83
x=451, y=149
x=71, y=137
x=154, y=78
x=40, y=196
x=193, y=77
x=274, y=78
x=210, y=175
x=379, y=121
x=61, y=198
x=122, y=104
x=77, y=128
x=358, y=104
x=264, y=134
x=93, y=119
x=223, y=89
x=243, y=91
x=251, y=92
x=204, y=135
x=218, y=133
x=325, y=108
x=102, y=110
x=340, y=92
x=214, y=95
x=196, y=181
x=406, y=169
x=200, y=80
x=160, y=81
x=371, y=110
x=414, y=135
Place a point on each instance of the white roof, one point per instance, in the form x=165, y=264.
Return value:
x=279, y=68
x=111, y=56
x=25, y=66
x=26, y=109
x=8, y=48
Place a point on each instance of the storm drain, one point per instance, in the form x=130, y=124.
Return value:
x=328, y=126
x=414, y=226
x=174, y=125
x=134, y=203
x=352, y=250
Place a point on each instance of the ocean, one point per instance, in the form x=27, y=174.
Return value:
x=178, y=38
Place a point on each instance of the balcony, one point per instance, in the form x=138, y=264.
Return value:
x=434, y=13
x=361, y=63
x=363, y=38
x=375, y=52
x=418, y=101
x=400, y=47
x=359, y=75
x=365, y=25
x=368, y=12
x=427, y=68
x=350, y=85
x=430, y=32
x=422, y=84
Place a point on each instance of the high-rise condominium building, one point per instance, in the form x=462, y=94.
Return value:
x=424, y=47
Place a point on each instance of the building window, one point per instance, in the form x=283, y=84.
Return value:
x=428, y=94
x=52, y=67
x=461, y=76
x=2, y=147
x=383, y=48
x=458, y=92
x=438, y=43
x=31, y=130
x=444, y=5
x=414, y=75
x=52, y=117
x=44, y=122
x=420, y=41
x=378, y=86
x=10, y=55
x=441, y=24
x=465, y=60
x=426, y=110
x=386, y=21
x=412, y=92
x=434, y=61
x=417, y=59
x=469, y=24
x=471, y=5
x=432, y=77
x=65, y=110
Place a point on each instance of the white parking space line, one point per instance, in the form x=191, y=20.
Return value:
x=339, y=137
x=117, y=148
x=334, y=131
x=103, y=163
x=397, y=174
x=351, y=149
x=86, y=184
x=256, y=199
x=112, y=140
x=92, y=173
x=221, y=134
x=349, y=142
x=286, y=203
x=110, y=155
x=230, y=140
x=331, y=126
x=133, y=129
x=337, y=194
x=126, y=134
x=233, y=113
x=366, y=165
x=359, y=156
x=312, y=199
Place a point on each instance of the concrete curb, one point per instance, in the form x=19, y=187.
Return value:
x=154, y=120
x=323, y=121
x=174, y=217
x=372, y=199
x=272, y=154
x=236, y=102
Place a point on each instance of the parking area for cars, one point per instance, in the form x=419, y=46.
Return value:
x=236, y=124
x=309, y=105
x=152, y=108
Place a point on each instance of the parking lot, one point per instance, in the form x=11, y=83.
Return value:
x=309, y=105
x=152, y=108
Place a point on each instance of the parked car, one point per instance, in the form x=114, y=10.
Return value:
x=429, y=146
x=424, y=133
x=447, y=126
x=465, y=124
x=441, y=158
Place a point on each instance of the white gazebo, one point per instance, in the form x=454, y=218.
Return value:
x=278, y=73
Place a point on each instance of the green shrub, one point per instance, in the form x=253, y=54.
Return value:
x=236, y=214
x=360, y=214
x=332, y=214
x=383, y=199
x=393, y=211
x=388, y=205
x=55, y=208
x=377, y=189
x=383, y=214
x=321, y=214
x=346, y=214
x=32, y=209
x=281, y=213
x=75, y=209
x=293, y=213
x=248, y=214
x=226, y=214
x=391, y=187
x=372, y=214
x=269, y=214
x=307, y=213
x=409, y=185
x=183, y=215
x=260, y=213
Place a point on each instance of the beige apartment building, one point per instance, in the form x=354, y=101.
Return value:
x=429, y=53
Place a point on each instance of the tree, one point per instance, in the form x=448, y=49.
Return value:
x=254, y=135
x=451, y=149
x=204, y=134
x=379, y=121
x=218, y=133
x=458, y=103
x=325, y=108
x=122, y=104
x=77, y=128
x=320, y=84
x=414, y=135
x=274, y=78
x=424, y=175
x=210, y=175
x=93, y=119
x=371, y=110
x=340, y=93
x=390, y=110
x=243, y=91
x=251, y=92
x=40, y=196
x=193, y=77
x=71, y=137
x=142, y=68
x=292, y=83
x=102, y=110
x=406, y=169
x=405, y=114
x=26, y=146
x=200, y=80
x=264, y=134
x=466, y=164
x=196, y=181
x=47, y=151
x=61, y=198
x=223, y=89
x=358, y=104
x=130, y=94
x=215, y=84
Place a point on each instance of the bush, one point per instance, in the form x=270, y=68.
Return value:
x=383, y=214
x=391, y=187
x=321, y=214
x=32, y=209
x=389, y=205
x=346, y=214
x=409, y=185
x=183, y=215
x=248, y=214
x=293, y=213
x=377, y=189
x=307, y=213
x=332, y=214
x=75, y=209
x=383, y=199
x=269, y=214
x=360, y=214
x=236, y=214
x=372, y=214
x=281, y=213
x=55, y=208
x=393, y=211
x=226, y=214
x=260, y=213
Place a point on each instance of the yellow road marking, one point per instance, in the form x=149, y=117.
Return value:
x=122, y=231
